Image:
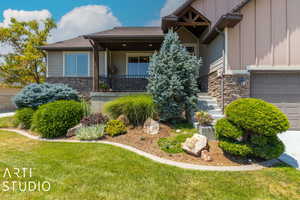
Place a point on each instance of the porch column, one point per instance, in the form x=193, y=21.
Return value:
x=96, y=69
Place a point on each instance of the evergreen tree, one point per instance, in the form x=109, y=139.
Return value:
x=173, y=79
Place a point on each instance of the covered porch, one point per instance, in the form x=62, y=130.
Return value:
x=121, y=59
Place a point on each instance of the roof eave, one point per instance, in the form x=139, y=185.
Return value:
x=123, y=37
x=47, y=48
x=228, y=20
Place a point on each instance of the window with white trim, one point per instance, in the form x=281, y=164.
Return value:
x=138, y=64
x=76, y=64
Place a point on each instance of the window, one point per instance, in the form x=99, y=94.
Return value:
x=138, y=64
x=191, y=48
x=76, y=64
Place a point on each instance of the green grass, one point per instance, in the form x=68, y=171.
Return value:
x=184, y=128
x=7, y=122
x=98, y=172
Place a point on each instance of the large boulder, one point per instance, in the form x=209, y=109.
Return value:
x=195, y=145
x=72, y=131
x=151, y=127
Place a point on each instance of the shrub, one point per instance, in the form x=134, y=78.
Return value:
x=24, y=116
x=54, y=119
x=257, y=116
x=137, y=108
x=204, y=118
x=267, y=147
x=173, y=144
x=115, y=127
x=35, y=95
x=86, y=107
x=91, y=132
x=8, y=122
x=173, y=79
x=225, y=128
x=236, y=148
x=94, y=119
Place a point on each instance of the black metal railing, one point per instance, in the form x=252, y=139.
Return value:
x=126, y=83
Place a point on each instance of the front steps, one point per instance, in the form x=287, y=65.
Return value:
x=209, y=104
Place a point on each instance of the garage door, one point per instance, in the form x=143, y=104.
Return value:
x=281, y=89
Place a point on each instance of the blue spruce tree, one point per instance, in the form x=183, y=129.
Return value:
x=173, y=79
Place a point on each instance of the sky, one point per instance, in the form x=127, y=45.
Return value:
x=78, y=17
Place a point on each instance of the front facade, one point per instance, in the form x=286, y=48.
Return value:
x=249, y=48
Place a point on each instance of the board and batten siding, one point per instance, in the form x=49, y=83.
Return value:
x=268, y=35
x=212, y=55
x=56, y=63
x=214, y=9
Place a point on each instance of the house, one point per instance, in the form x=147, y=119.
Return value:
x=250, y=49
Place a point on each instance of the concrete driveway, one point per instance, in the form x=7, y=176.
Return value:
x=291, y=139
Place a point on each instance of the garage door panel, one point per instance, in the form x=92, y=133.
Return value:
x=281, y=89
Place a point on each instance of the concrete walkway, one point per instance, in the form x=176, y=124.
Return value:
x=291, y=139
x=252, y=167
x=7, y=114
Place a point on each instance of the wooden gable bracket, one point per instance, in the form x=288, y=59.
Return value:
x=192, y=17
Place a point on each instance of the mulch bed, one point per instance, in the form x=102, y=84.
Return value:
x=148, y=143
x=135, y=137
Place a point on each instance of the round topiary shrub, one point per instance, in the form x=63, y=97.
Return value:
x=23, y=117
x=115, y=127
x=35, y=95
x=236, y=148
x=266, y=147
x=54, y=119
x=257, y=116
x=225, y=128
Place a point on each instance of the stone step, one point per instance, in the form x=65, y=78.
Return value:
x=215, y=112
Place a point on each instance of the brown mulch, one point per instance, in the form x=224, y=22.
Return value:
x=135, y=137
x=148, y=143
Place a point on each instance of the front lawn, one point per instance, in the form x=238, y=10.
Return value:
x=96, y=171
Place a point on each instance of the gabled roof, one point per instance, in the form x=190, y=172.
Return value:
x=78, y=43
x=128, y=32
x=83, y=43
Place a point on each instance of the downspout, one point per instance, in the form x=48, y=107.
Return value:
x=223, y=70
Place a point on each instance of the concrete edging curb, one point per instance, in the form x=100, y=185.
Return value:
x=252, y=167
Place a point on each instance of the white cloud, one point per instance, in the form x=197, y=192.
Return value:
x=20, y=15
x=169, y=7
x=84, y=20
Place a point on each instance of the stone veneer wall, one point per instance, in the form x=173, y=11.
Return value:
x=82, y=84
x=235, y=86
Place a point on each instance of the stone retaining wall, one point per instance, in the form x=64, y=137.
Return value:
x=235, y=86
x=81, y=84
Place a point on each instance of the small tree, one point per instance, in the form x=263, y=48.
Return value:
x=26, y=64
x=173, y=79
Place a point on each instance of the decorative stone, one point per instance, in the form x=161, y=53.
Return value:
x=72, y=131
x=124, y=119
x=178, y=131
x=151, y=127
x=195, y=144
x=207, y=131
x=205, y=156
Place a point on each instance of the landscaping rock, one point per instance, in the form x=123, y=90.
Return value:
x=195, y=144
x=205, y=156
x=124, y=119
x=72, y=131
x=151, y=127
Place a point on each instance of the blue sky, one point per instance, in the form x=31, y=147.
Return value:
x=129, y=12
x=80, y=17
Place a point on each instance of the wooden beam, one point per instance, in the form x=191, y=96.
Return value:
x=96, y=73
x=192, y=24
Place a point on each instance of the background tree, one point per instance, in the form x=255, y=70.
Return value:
x=26, y=63
x=173, y=79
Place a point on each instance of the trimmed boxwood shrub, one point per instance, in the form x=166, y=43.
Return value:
x=35, y=95
x=236, y=148
x=267, y=147
x=23, y=117
x=225, y=128
x=54, y=119
x=137, y=108
x=257, y=116
x=115, y=127
x=257, y=123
